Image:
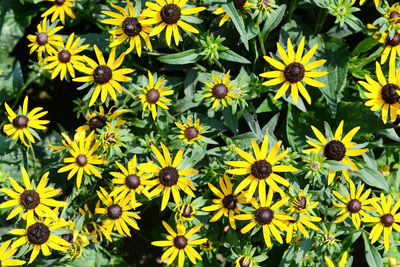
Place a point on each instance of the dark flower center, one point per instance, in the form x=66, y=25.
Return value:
x=354, y=206
x=294, y=72
x=395, y=15
x=41, y=38
x=20, y=122
x=152, y=96
x=387, y=220
x=30, y=199
x=229, y=202
x=168, y=176
x=59, y=2
x=64, y=56
x=170, y=13
x=186, y=211
x=114, y=211
x=111, y=138
x=90, y=227
x=302, y=202
x=239, y=4
x=102, y=74
x=132, y=181
x=131, y=26
x=335, y=150
x=264, y=216
x=97, y=122
x=244, y=261
x=180, y=242
x=68, y=237
x=266, y=4
x=261, y=169
x=389, y=94
x=191, y=133
x=219, y=91
x=394, y=41
x=81, y=160
x=38, y=233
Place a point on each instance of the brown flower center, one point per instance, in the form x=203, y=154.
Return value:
x=68, y=237
x=239, y=4
x=97, y=122
x=266, y=4
x=81, y=160
x=111, y=138
x=132, y=181
x=294, y=72
x=264, y=216
x=302, y=202
x=64, y=56
x=30, y=199
x=102, y=74
x=168, y=176
x=38, y=233
x=335, y=150
x=170, y=13
x=114, y=211
x=180, y=242
x=395, y=16
x=59, y=2
x=394, y=41
x=131, y=26
x=191, y=133
x=261, y=169
x=389, y=94
x=244, y=261
x=354, y=206
x=152, y=96
x=229, y=202
x=90, y=227
x=219, y=91
x=387, y=220
x=20, y=122
x=186, y=211
x=41, y=38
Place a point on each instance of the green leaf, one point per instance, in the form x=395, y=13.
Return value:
x=229, y=55
x=364, y=46
x=373, y=178
x=18, y=79
x=186, y=57
x=273, y=21
x=374, y=259
x=237, y=21
x=270, y=104
x=336, y=166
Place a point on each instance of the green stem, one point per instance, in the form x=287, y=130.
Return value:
x=126, y=91
x=170, y=116
x=293, y=7
x=261, y=42
x=32, y=152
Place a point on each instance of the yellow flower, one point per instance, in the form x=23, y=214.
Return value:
x=227, y=204
x=66, y=143
x=169, y=15
x=362, y=2
x=130, y=182
x=298, y=224
x=92, y=229
x=342, y=262
x=336, y=148
x=190, y=132
x=354, y=204
x=220, y=91
x=154, y=95
x=170, y=177
x=261, y=170
x=66, y=58
x=45, y=39
x=266, y=216
x=301, y=203
x=384, y=93
x=241, y=5
x=41, y=235
x=294, y=71
x=24, y=123
x=77, y=241
x=392, y=47
x=105, y=75
x=180, y=244
x=6, y=254
x=59, y=9
x=244, y=261
x=97, y=120
x=118, y=214
x=129, y=28
x=31, y=200
x=386, y=222
x=393, y=15
x=83, y=159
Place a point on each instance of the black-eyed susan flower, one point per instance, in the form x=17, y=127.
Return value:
x=190, y=132
x=154, y=95
x=106, y=76
x=31, y=200
x=77, y=241
x=301, y=203
x=393, y=15
x=207, y=246
x=6, y=254
x=45, y=39
x=169, y=15
x=220, y=90
x=342, y=262
x=118, y=214
x=336, y=148
x=299, y=223
x=97, y=120
x=179, y=244
x=227, y=204
x=59, y=9
x=261, y=169
x=129, y=181
x=91, y=229
x=392, y=47
x=41, y=236
x=83, y=159
x=354, y=204
x=241, y=5
x=188, y=209
x=129, y=27
x=23, y=123
x=266, y=217
x=387, y=220
x=294, y=71
x=242, y=261
x=383, y=94
x=170, y=176
x=66, y=59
